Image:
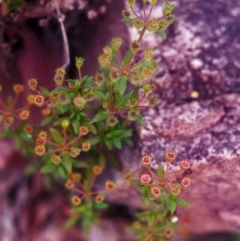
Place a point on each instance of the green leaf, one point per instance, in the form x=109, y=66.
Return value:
x=95, y=140
x=127, y=58
x=146, y=200
x=123, y=100
x=160, y=171
x=161, y=34
x=46, y=120
x=108, y=142
x=172, y=205
x=140, y=120
x=67, y=163
x=122, y=85
x=9, y=101
x=101, y=115
x=47, y=168
x=182, y=202
x=101, y=206
x=44, y=91
x=80, y=164
x=71, y=222
x=117, y=143
x=57, y=137
x=136, y=183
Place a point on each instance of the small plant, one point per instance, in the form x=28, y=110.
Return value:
x=159, y=197
x=84, y=118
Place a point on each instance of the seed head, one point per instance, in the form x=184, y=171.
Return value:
x=99, y=198
x=83, y=130
x=145, y=178
x=186, y=181
x=39, y=100
x=8, y=120
x=156, y=191
x=56, y=159
x=76, y=200
x=24, y=114
x=40, y=150
x=146, y=159
x=86, y=146
x=97, y=170
x=79, y=62
x=170, y=156
x=185, y=164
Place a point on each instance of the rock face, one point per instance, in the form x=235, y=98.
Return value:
x=198, y=115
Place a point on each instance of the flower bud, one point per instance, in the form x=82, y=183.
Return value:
x=41, y=142
x=145, y=178
x=8, y=120
x=28, y=129
x=133, y=102
x=69, y=184
x=65, y=124
x=135, y=47
x=112, y=120
x=53, y=101
x=24, y=114
x=186, y=181
x=32, y=83
x=168, y=232
x=56, y=159
x=40, y=150
x=185, y=164
x=147, y=73
x=114, y=75
x=76, y=200
x=74, y=152
x=39, y=100
x=97, y=170
x=109, y=186
x=162, y=24
x=168, y=7
x=86, y=146
x=170, y=156
x=99, y=198
x=156, y=191
x=175, y=190
x=126, y=14
x=116, y=43
x=127, y=175
x=131, y=2
x=170, y=18
x=89, y=96
x=148, y=53
x=79, y=102
x=107, y=50
x=133, y=114
x=83, y=130
x=99, y=78
x=104, y=60
x=146, y=159
x=138, y=23
x=60, y=71
x=148, y=87
x=46, y=111
x=79, y=62
x=58, y=79
x=152, y=101
x=17, y=88
x=153, y=25
x=42, y=135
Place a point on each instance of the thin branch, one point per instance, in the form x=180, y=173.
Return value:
x=60, y=18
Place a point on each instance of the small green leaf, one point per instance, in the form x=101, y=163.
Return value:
x=71, y=222
x=160, y=171
x=57, y=137
x=47, y=168
x=122, y=85
x=101, y=115
x=117, y=143
x=44, y=91
x=161, y=33
x=127, y=58
x=123, y=100
x=9, y=102
x=46, y=120
x=95, y=140
x=182, y=202
x=136, y=183
x=146, y=200
x=172, y=205
x=67, y=162
x=100, y=206
x=80, y=164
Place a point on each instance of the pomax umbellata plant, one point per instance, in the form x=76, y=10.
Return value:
x=84, y=118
